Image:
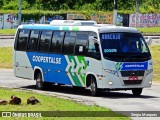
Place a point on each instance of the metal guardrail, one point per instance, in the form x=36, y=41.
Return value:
x=6, y=36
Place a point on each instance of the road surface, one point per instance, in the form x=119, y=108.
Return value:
x=116, y=101
x=6, y=42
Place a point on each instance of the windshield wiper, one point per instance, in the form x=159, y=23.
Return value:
x=140, y=55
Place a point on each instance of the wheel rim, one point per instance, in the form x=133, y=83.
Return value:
x=39, y=81
x=93, y=87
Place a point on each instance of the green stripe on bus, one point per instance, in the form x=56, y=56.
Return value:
x=83, y=78
x=65, y=28
x=75, y=28
x=74, y=77
x=82, y=60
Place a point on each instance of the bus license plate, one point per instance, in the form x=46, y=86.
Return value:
x=133, y=78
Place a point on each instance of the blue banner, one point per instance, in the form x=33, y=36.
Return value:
x=132, y=66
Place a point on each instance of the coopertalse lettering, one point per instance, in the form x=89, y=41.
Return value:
x=138, y=66
x=44, y=59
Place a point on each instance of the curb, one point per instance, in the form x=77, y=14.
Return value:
x=7, y=36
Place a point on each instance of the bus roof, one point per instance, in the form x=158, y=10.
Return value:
x=118, y=29
x=101, y=28
x=72, y=23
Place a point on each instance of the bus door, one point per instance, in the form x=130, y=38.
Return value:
x=94, y=57
x=80, y=63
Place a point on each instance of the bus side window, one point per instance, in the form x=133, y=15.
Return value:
x=69, y=41
x=81, y=42
x=45, y=40
x=57, y=40
x=33, y=41
x=22, y=40
x=93, y=46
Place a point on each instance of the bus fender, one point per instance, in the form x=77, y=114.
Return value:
x=36, y=68
x=88, y=75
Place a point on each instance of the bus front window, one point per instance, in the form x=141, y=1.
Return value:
x=124, y=45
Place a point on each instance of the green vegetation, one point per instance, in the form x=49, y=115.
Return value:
x=49, y=103
x=150, y=30
x=7, y=31
x=155, y=51
x=6, y=57
x=129, y=6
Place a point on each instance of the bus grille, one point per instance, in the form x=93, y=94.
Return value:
x=132, y=82
x=132, y=73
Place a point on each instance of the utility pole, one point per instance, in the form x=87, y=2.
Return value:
x=137, y=11
x=115, y=12
x=137, y=6
x=19, y=11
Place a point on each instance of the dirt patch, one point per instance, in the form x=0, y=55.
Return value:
x=77, y=100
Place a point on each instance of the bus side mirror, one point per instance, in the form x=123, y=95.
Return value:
x=93, y=38
x=149, y=40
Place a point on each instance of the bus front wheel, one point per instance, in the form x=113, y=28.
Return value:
x=137, y=91
x=93, y=87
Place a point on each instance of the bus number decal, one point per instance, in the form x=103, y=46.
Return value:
x=111, y=36
x=110, y=50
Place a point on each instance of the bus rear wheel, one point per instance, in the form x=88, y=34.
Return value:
x=137, y=91
x=93, y=87
x=40, y=84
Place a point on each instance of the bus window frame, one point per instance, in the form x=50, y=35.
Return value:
x=73, y=53
x=54, y=52
x=93, y=54
x=28, y=43
x=50, y=43
x=17, y=37
x=85, y=53
x=85, y=50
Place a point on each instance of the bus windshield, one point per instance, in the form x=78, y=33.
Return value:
x=124, y=45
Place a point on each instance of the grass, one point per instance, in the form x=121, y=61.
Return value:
x=7, y=31
x=155, y=51
x=50, y=103
x=149, y=29
x=6, y=57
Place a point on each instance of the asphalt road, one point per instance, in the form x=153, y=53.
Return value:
x=117, y=101
x=6, y=42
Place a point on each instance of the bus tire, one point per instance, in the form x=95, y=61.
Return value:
x=93, y=87
x=40, y=84
x=137, y=91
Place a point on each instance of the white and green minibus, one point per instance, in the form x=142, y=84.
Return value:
x=83, y=54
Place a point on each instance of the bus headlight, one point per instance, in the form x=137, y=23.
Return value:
x=110, y=83
x=114, y=72
x=149, y=71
